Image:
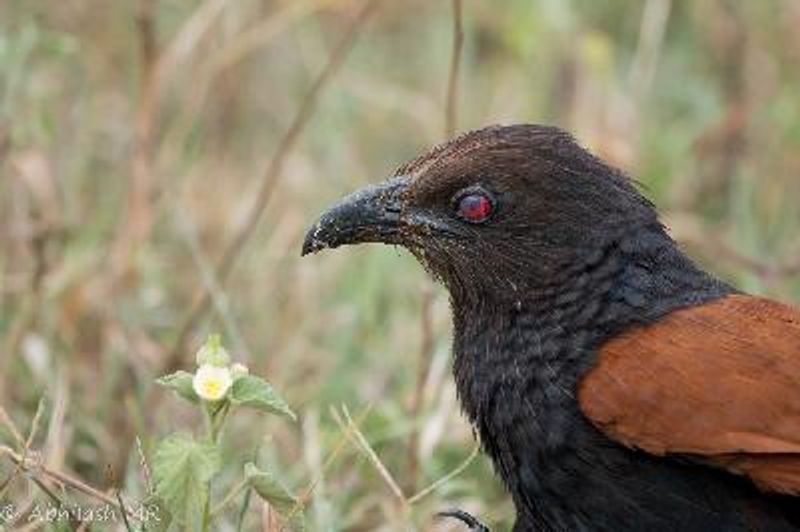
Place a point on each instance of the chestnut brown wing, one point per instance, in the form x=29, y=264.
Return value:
x=719, y=382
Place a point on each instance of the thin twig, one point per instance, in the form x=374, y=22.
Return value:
x=60, y=477
x=79, y=485
x=124, y=512
x=58, y=502
x=452, y=474
x=451, y=107
x=270, y=180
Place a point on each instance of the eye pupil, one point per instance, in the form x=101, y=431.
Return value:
x=474, y=207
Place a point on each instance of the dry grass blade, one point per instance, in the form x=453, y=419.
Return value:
x=345, y=436
x=57, y=440
x=445, y=479
x=370, y=453
x=271, y=177
x=8, y=423
x=148, y=478
x=37, y=418
x=26, y=444
x=25, y=448
x=11, y=476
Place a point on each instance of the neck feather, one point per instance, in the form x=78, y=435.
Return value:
x=547, y=338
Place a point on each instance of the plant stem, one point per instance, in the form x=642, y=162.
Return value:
x=208, y=417
x=214, y=416
x=218, y=419
x=243, y=510
x=207, y=511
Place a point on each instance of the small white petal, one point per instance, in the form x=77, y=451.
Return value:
x=239, y=370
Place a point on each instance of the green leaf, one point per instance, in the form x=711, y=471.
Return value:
x=249, y=390
x=181, y=383
x=272, y=491
x=182, y=469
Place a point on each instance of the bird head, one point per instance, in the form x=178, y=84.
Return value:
x=496, y=213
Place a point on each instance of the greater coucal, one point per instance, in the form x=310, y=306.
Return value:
x=614, y=384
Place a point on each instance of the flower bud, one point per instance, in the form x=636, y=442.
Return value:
x=213, y=353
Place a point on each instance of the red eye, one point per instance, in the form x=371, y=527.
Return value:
x=474, y=208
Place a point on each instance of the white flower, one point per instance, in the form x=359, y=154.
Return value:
x=212, y=382
x=239, y=370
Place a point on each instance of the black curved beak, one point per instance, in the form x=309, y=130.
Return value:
x=372, y=214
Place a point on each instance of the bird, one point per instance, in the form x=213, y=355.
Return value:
x=614, y=384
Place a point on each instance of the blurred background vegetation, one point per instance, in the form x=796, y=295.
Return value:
x=138, y=139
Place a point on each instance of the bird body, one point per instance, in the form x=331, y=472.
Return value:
x=614, y=384
x=562, y=471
